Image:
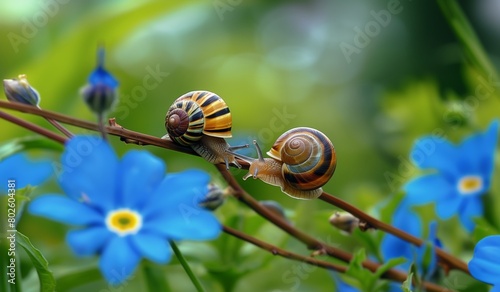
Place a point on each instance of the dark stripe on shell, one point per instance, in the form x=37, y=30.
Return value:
x=210, y=100
x=219, y=113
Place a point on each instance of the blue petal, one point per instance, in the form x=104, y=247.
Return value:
x=393, y=247
x=24, y=171
x=185, y=222
x=448, y=207
x=186, y=188
x=152, y=247
x=141, y=174
x=88, y=241
x=173, y=210
x=100, y=75
x=394, y=287
x=491, y=137
x=485, y=264
x=90, y=169
x=472, y=207
x=65, y=210
x=118, y=260
x=480, y=149
x=486, y=161
x=435, y=153
x=428, y=188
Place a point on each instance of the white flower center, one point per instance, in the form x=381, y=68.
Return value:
x=470, y=184
x=124, y=221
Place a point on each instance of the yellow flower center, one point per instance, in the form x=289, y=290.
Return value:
x=470, y=184
x=124, y=221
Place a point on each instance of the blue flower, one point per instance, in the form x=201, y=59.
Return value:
x=392, y=247
x=100, y=92
x=462, y=174
x=485, y=263
x=128, y=209
x=24, y=171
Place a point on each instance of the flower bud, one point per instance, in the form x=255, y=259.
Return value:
x=100, y=92
x=213, y=199
x=276, y=208
x=344, y=221
x=19, y=90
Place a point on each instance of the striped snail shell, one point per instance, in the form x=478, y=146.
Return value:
x=308, y=158
x=195, y=114
x=201, y=120
x=302, y=161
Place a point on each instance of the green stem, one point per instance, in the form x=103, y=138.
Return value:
x=186, y=267
x=102, y=127
x=467, y=36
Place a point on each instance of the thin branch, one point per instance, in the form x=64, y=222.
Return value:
x=445, y=257
x=126, y=135
x=32, y=127
x=143, y=139
x=62, y=129
x=310, y=260
x=311, y=242
x=281, y=252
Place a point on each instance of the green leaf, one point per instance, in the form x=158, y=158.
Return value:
x=47, y=281
x=407, y=283
x=389, y=265
x=370, y=240
x=427, y=259
x=25, y=143
x=154, y=277
x=356, y=270
x=466, y=35
x=414, y=271
x=76, y=276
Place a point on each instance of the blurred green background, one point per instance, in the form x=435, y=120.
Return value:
x=278, y=65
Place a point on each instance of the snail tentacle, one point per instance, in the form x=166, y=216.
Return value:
x=302, y=161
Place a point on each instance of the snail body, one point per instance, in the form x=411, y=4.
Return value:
x=302, y=161
x=202, y=120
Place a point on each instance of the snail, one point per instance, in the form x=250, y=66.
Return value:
x=302, y=161
x=201, y=120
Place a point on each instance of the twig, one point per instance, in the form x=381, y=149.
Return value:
x=143, y=139
x=311, y=242
x=32, y=127
x=445, y=257
x=310, y=260
x=281, y=252
x=62, y=129
x=127, y=135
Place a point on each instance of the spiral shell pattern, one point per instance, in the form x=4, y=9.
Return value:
x=308, y=157
x=198, y=113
